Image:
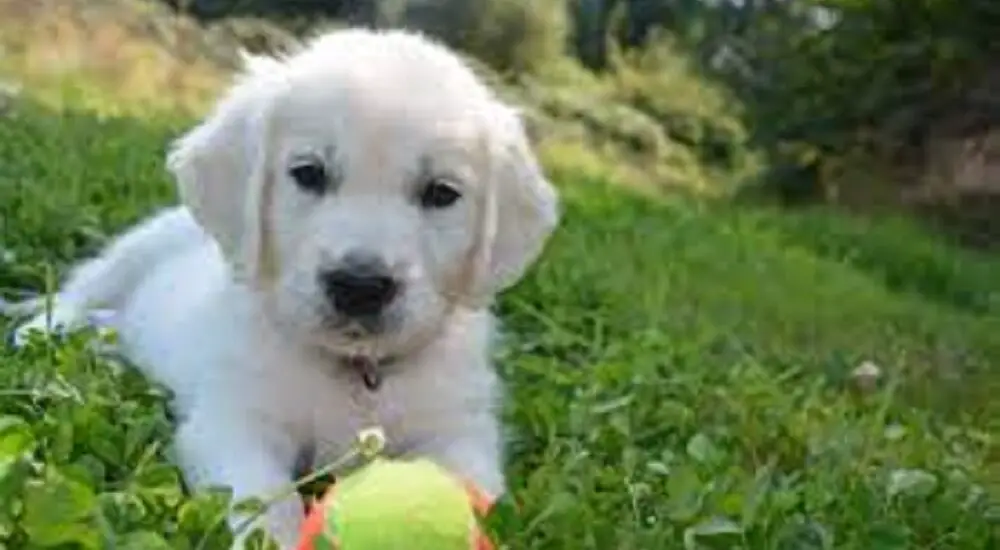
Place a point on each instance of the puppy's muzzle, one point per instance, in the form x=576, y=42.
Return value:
x=361, y=287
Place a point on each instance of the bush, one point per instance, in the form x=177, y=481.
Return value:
x=512, y=36
x=692, y=110
x=877, y=80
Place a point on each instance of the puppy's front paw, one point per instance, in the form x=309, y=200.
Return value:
x=59, y=320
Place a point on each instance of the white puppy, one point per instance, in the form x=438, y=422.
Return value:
x=349, y=212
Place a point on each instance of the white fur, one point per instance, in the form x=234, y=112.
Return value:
x=218, y=298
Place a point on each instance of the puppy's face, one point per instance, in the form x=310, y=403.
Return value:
x=366, y=186
x=375, y=213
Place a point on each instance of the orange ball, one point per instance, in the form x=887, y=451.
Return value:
x=392, y=503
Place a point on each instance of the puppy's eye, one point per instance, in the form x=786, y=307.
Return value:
x=310, y=177
x=437, y=194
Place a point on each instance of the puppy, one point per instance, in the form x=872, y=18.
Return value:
x=349, y=212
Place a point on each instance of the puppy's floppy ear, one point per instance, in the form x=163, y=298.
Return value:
x=522, y=209
x=221, y=170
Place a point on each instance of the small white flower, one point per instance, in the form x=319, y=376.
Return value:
x=866, y=376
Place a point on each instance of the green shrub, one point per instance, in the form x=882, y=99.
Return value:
x=661, y=81
x=512, y=36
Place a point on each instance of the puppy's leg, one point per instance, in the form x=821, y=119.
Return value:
x=473, y=454
x=224, y=449
x=107, y=280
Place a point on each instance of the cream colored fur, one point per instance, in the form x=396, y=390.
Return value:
x=218, y=297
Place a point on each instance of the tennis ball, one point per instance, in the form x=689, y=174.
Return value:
x=398, y=505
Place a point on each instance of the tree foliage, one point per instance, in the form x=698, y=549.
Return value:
x=882, y=74
x=822, y=79
x=826, y=78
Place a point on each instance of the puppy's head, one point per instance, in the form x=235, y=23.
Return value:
x=366, y=185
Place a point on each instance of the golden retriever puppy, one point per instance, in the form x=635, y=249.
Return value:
x=349, y=212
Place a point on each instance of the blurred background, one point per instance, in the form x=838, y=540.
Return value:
x=869, y=104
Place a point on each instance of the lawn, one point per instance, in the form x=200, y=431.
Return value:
x=680, y=373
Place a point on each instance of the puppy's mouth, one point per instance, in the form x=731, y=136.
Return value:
x=358, y=328
x=352, y=335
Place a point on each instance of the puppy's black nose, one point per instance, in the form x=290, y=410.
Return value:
x=360, y=288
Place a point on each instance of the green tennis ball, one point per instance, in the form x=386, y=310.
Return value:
x=398, y=505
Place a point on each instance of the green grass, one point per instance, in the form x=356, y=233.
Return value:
x=679, y=374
